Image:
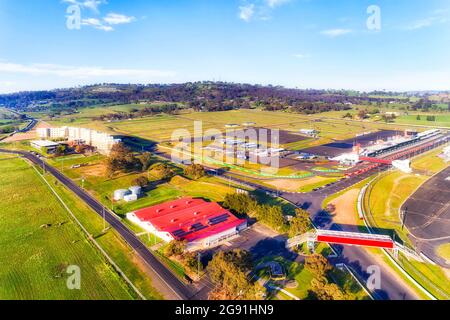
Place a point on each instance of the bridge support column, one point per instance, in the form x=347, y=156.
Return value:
x=395, y=251
x=311, y=246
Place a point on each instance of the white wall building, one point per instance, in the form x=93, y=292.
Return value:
x=100, y=140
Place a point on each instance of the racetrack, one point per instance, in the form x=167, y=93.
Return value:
x=428, y=216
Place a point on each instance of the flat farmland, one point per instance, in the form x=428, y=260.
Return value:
x=442, y=120
x=160, y=128
x=39, y=241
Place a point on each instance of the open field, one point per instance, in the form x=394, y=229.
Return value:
x=40, y=241
x=444, y=251
x=429, y=162
x=102, y=187
x=387, y=196
x=442, y=120
x=111, y=242
x=160, y=128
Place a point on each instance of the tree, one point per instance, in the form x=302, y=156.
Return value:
x=318, y=265
x=322, y=290
x=161, y=171
x=300, y=224
x=60, y=150
x=228, y=271
x=175, y=248
x=272, y=215
x=418, y=117
x=195, y=171
x=141, y=181
x=362, y=114
x=121, y=158
x=240, y=203
x=146, y=159
x=348, y=115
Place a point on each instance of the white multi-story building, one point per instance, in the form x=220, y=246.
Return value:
x=103, y=142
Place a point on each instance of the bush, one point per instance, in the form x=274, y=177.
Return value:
x=195, y=171
x=161, y=171
x=141, y=181
x=240, y=203
x=175, y=248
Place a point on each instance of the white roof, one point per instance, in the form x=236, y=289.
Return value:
x=44, y=143
x=347, y=157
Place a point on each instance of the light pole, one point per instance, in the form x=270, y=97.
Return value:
x=198, y=264
x=405, y=212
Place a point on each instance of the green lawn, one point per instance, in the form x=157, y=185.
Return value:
x=444, y=251
x=430, y=162
x=311, y=187
x=442, y=120
x=39, y=241
x=387, y=196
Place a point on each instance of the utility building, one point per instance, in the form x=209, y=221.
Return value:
x=202, y=224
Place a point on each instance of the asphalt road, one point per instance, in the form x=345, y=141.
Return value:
x=356, y=258
x=428, y=216
x=179, y=289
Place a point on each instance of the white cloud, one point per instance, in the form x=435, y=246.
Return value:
x=88, y=4
x=336, y=32
x=439, y=16
x=81, y=72
x=420, y=24
x=246, y=12
x=276, y=3
x=104, y=23
x=259, y=9
x=301, y=56
x=426, y=23
x=97, y=24
x=117, y=18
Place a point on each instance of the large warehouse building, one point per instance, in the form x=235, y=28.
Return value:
x=103, y=142
x=202, y=224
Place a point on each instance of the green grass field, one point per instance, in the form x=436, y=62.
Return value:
x=444, y=251
x=442, y=120
x=161, y=127
x=387, y=196
x=39, y=241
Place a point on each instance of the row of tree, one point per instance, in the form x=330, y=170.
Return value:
x=244, y=204
x=202, y=96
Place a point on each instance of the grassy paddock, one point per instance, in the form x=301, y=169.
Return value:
x=39, y=241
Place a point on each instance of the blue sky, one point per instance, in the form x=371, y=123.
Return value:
x=295, y=43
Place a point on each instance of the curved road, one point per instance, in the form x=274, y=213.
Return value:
x=356, y=258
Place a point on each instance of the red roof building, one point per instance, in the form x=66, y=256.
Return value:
x=194, y=220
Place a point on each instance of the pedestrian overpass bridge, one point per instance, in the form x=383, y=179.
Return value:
x=352, y=239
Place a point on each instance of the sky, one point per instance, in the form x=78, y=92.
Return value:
x=398, y=45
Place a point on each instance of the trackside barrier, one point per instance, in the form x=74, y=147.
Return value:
x=394, y=261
